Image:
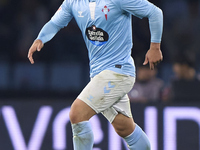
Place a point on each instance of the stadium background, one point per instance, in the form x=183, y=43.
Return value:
x=33, y=96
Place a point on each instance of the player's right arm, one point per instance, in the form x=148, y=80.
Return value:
x=46, y=34
x=60, y=19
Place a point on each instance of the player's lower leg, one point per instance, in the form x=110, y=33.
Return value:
x=79, y=115
x=137, y=140
x=131, y=132
x=82, y=136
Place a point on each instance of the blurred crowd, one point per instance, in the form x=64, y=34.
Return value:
x=20, y=24
x=175, y=79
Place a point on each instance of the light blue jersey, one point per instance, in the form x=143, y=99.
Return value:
x=106, y=29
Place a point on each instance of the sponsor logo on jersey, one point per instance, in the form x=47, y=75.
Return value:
x=106, y=10
x=96, y=36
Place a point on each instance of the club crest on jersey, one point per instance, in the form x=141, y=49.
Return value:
x=106, y=10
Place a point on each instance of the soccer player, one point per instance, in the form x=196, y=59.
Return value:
x=107, y=32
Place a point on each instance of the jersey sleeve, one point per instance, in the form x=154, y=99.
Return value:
x=143, y=8
x=48, y=31
x=60, y=19
x=138, y=8
x=63, y=15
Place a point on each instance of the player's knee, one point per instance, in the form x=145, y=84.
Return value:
x=80, y=111
x=123, y=125
x=75, y=113
x=74, y=118
x=124, y=131
x=120, y=133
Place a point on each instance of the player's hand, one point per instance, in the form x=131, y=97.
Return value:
x=153, y=56
x=36, y=46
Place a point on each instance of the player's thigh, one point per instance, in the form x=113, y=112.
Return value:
x=121, y=117
x=105, y=90
x=80, y=111
x=122, y=106
x=123, y=125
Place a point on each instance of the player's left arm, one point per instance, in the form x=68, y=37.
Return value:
x=143, y=8
x=154, y=54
